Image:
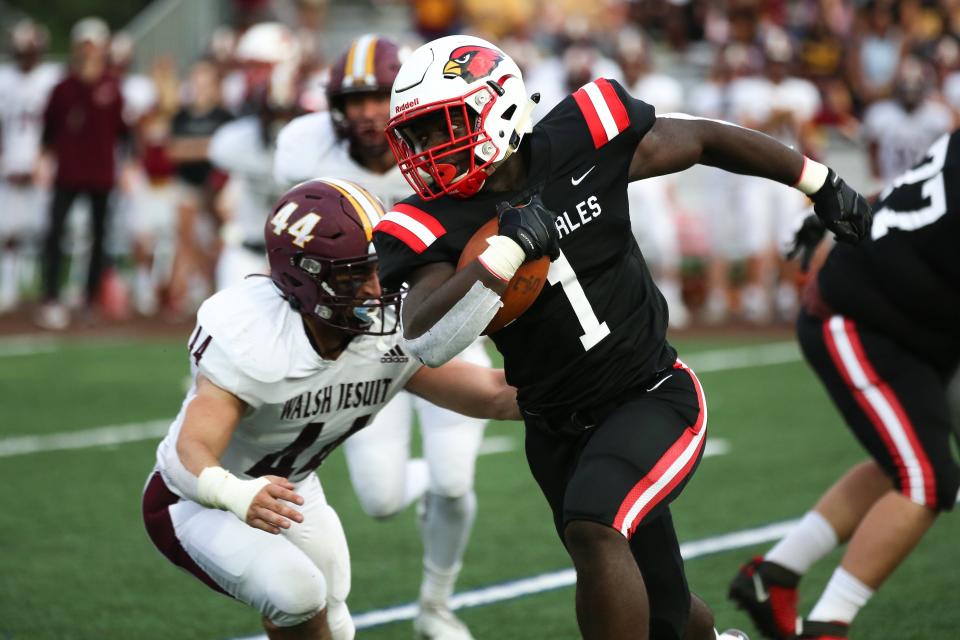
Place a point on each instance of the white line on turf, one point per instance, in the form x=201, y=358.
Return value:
x=565, y=577
x=119, y=434
x=27, y=347
x=115, y=434
x=743, y=357
x=702, y=362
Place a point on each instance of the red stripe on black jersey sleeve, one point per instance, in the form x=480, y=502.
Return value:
x=590, y=115
x=614, y=103
x=422, y=217
x=414, y=227
x=609, y=111
x=401, y=233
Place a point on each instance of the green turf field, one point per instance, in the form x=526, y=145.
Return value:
x=76, y=562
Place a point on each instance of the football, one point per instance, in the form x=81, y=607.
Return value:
x=522, y=289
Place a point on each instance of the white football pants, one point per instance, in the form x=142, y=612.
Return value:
x=288, y=578
x=378, y=455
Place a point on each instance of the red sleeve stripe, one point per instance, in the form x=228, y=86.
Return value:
x=415, y=228
x=603, y=110
x=421, y=216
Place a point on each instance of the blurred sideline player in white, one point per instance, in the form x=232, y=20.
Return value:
x=654, y=206
x=284, y=369
x=899, y=130
x=349, y=141
x=25, y=86
x=783, y=106
x=711, y=99
x=243, y=148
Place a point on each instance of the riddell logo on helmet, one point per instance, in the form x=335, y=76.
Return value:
x=407, y=105
x=471, y=63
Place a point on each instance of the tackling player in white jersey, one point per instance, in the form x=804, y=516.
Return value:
x=24, y=89
x=348, y=141
x=286, y=368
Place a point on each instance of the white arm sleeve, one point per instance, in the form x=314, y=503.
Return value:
x=458, y=328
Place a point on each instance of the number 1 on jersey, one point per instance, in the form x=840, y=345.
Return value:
x=561, y=272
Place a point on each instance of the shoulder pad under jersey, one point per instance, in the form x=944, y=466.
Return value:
x=301, y=144
x=253, y=326
x=236, y=146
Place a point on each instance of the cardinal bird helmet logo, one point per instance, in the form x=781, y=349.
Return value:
x=471, y=63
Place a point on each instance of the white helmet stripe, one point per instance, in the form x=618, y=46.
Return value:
x=363, y=50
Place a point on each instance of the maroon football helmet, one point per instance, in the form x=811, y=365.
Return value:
x=368, y=66
x=319, y=246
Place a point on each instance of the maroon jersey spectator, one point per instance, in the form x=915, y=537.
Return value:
x=83, y=123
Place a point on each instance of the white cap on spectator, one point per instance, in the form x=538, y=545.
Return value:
x=92, y=30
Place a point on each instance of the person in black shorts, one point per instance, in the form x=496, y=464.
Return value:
x=879, y=327
x=616, y=423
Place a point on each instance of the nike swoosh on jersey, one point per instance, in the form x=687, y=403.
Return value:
x=576, y=181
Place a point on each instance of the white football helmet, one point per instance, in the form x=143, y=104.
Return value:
x=268, y=42
x=459, y=108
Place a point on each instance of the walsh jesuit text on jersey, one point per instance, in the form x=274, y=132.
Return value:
x=349, y=395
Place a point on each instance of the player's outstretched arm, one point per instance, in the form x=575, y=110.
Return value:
x=676, y=142
x=208, y=425
x=466, y=388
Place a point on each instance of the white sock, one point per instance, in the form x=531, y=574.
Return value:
x=842, y=599
x=145, y=291
x=339, y=621
x=445, y=532
x=9, y=277
x=809, y=541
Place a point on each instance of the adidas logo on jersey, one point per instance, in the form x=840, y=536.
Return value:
x=395, y=355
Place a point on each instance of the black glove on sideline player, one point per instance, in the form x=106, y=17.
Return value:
x=805, y=240
x=530, y=225
x=842, y=210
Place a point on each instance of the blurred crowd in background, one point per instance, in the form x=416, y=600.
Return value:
x=114, y=206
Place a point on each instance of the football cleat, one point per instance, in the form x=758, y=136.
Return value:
x=732, y=634
x=437, y=622
x=818, y=630
x=768, y=594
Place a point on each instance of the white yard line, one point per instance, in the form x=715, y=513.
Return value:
x=27, y=346
x=112, y=435
x=702, y=362
x=743, y=357
x=565, y=577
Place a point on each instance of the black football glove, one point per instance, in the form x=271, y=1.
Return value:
x=842, y=210
x=530, y=225
x=805, y=240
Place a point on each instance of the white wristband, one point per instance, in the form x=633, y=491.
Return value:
x=220, y=489
x=503, y=257
x=812, y=177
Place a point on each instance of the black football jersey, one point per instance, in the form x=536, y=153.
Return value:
x=904, y=280
x=598, y=326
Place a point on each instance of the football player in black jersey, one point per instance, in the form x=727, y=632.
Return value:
x=879, y=327
x=615, y=422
